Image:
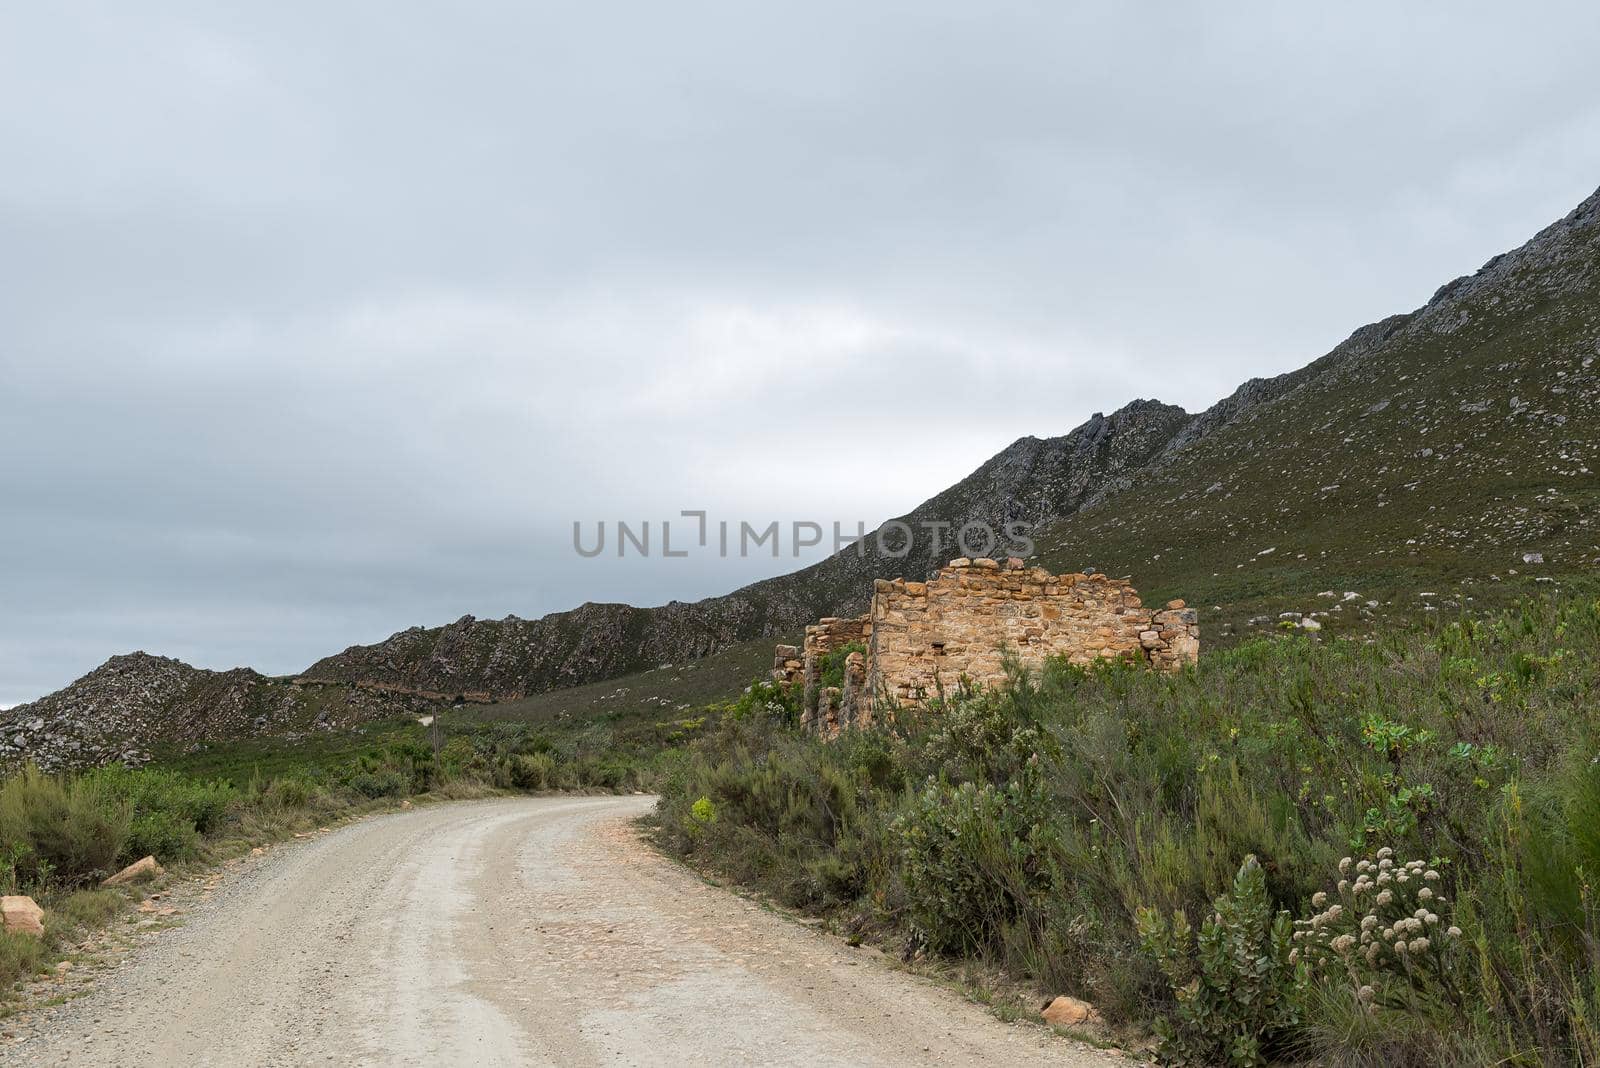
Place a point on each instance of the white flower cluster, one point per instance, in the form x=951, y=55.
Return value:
x=1384, y=923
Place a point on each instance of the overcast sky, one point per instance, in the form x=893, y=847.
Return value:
x=321, y=320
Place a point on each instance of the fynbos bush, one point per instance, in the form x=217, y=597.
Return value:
x=170, y=811
x=1233, y=985
x=975, y=862
x=532, y=771
x=1028, y=827
x=1385, y=931
x=70, y=831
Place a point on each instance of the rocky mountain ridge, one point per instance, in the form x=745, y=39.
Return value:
x=135, y=703
x=1438, y=459
x=1441, y=449
x=1043, y=482
x=1031, y=481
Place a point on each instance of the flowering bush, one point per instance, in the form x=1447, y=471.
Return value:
x=1382, y=931
x=702, y=814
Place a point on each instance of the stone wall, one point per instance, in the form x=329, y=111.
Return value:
x=923, y=638
x=829, y=708
x=960, y=625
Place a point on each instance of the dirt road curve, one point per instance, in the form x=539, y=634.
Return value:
x=510, y=932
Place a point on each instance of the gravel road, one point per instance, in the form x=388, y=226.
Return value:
x=533, y=931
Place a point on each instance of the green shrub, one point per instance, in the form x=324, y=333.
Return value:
x=1233, y=986
x=604, y=772
x=764, y=700
x=85, y=909
x=162, y=834
x=1542, y=974
x=381, y=782
x=288, y=792
x=1473, y=742
x=974, y=863
x=1385, y=932
x=702, y=814
x=536, y=771
x=66, y=830
x=985, y=738
x=831, y=667
x=170, y=811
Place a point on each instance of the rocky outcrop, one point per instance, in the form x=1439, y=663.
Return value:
x=130, y=705
x=1067, y=1011
x=509, y=658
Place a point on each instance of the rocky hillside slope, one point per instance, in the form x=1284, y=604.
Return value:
x=1450, y=439
x=1437, y=458
x=1440, y=458
x=132, y=704
x=1031, y=481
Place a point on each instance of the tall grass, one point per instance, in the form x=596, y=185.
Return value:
x=59, y=830
x=1029, y=827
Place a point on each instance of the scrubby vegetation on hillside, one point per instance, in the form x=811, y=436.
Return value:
x=1355, y=853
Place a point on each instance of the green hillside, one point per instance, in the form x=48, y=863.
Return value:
x=1452, y=452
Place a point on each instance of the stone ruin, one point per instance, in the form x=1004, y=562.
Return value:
x=921, y=639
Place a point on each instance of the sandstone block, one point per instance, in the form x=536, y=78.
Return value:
x=20, y=914
x=1069, y=1012
x=139, y=871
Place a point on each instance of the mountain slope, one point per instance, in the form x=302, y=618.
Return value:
x=1466, y=426
x=1031, y=481
x=1438, y=458
x=1429, y=453
x=131, y=703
